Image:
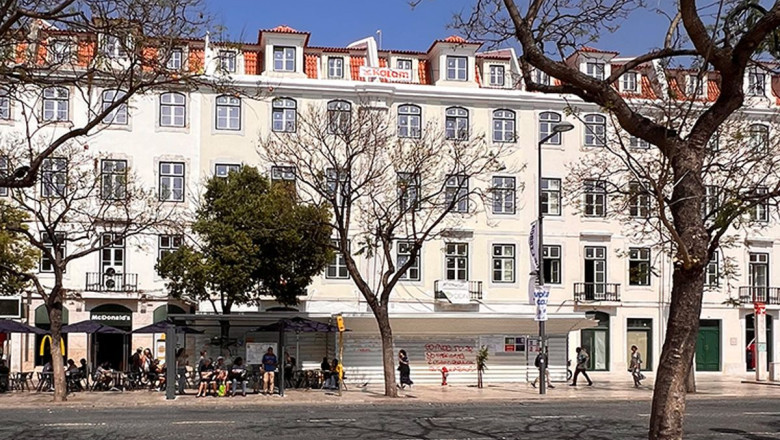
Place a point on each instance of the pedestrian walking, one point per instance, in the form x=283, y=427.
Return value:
x=269, y=367
x=635, y=367
x=582, y=366
x=542, y=362
x=403, y=368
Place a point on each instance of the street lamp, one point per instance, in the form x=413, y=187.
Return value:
x=556, y=130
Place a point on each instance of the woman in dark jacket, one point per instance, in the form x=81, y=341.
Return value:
x=403, y=368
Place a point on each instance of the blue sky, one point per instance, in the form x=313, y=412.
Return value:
x=340, y=22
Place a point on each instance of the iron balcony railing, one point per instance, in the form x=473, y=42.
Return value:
x=475, y=290
x=112, y=282
x=597, y=292
x=761, y=294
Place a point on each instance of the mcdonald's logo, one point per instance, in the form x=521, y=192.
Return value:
x=43, y=344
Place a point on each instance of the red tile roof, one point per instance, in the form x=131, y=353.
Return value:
x=594, y=50
x=250, y=63
x=354, y=63
x=196, y=60
x=422, y=71
x=713, y=89
x=647, y=89
x=283, y=29
x=311, y=65
x=476, y=76
x=456, y=40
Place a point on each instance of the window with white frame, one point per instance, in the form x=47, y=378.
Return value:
x=542, y=78
x=456, y=256
x=635, y=142
x=54, y=177
x=228, y=112
x=457, y=68
x=595, y=130
x=56, y=248
x=639, y=200
x=55, y=104
x=551, y=196
x=456, y=190
x=115, y=47
x=595, y=69
x=60, y=51
x=503, y=125
x=711, y=202
x=337, y=185
x=337, y=267
x=404, y=64
x=113, y=178
x=5, y=171
x=168, y=244
x=503, y=194
x=551, y=264
x=595, y=198
x=118, y=115
x=339, y=117
x=283, y=174
x=227, y=60
x=222, y=170
x=171, y=182
x=284, y=59
x=548, y=120
x=175, y=59
x=408, y=191
x=758, y=137
x=284, y=112
x=497, y=76
x=403, y=255
x=756, y=83
x=760, y=211
x=503, y=263
x=456, y=123
x=693, y=86
x=639, y=267
x=758, y=273
x=628, y=82
x=335, y=67
x=409, y=121
x=173, y=109
x=712, y=271
x=5, y=105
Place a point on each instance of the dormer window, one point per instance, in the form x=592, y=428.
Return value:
x=115, y=47
x=457, y=68
x=542, y=78
x=693, y=86
x=284, y=59
x=497, y=76
x=628, y=82
x=227, y=61
x=404, y=64
x=335, y=67
x=756, y=83
x=60, y=52
x=595, y=69
x=175, y=60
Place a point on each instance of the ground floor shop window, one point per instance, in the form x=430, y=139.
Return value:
x=751, y=348
x=596, y=342
x=42, y=356
x=640, y=333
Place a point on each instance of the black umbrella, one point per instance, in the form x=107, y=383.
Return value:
x=163, y=326
x=8, y=326
x=91, y=327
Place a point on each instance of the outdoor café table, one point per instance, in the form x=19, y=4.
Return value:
x=21, y=381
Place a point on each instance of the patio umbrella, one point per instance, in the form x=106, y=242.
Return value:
x=163, y=326
x=8, y=326
x=91, y=327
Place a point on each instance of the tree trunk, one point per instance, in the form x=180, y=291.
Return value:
x=388, y=356
x=666, y=418
x=224, y=335
x=479, y=378
x=690, y=383
x=57, y=361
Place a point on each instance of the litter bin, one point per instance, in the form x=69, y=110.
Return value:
x=774, y=371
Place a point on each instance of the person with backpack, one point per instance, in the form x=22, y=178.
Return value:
x=582, y=366
x=542, y=362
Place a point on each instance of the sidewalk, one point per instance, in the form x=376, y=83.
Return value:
x=709, y=388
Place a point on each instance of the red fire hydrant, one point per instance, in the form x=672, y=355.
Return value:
x=444, y=373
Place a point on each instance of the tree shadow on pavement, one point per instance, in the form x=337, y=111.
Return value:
x=744, y=434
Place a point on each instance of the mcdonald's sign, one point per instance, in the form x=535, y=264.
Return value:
x=43, y=344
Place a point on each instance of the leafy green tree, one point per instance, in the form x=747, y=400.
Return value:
x=17, y=257
x=253, y=238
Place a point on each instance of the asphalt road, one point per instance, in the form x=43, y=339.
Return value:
x=725, y=419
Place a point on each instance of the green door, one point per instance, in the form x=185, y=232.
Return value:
x=708, y=346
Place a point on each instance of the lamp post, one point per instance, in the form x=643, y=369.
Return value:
x=556, y=130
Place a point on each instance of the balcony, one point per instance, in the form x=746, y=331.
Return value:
x=112, y=282
x=754, y=294
x=457, y=292
x=592, y=292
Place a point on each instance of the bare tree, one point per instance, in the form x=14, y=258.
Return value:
x=727, y=36
x=387, y=185
x=74, y=212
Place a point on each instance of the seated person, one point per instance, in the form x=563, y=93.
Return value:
x=221, y=370
x=238, y=374
x=4, y=372
x=333, y=381
x=104, y=375
x=325, y=367
x=155, y=375
x=206, y=378
x=83, y=367
x=73, y=375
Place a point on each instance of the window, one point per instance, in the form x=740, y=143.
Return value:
x=112, y=254
x=503, y=263
x=693, y=86
x=456, y=123
x=456, y=190
x=503, y=126
x=456, y=257
x=284, y=59
x=403, y=64
x=409, y=121
x=595, y=198
x=595, y=130
x=171, y=182
x=497, y=76
x=175, y=59
x=56, y=248
x=457, y=68
x=115, y=47
x=503, y=193
x=60, y=52
x=758, y=274
x=595, y=69
x=284, y=114
x=173, y=109
x=5, y=105
x=712, y=272
x=5, y=170
x=408, y=191
x=551, y=264
x=227, y=61
x=337, y=267
x=55, y=104
x=113, y=177
x=337, y=185
x=595, y=273
x=639, y=200
x=542, y=78
x=283, y=174
x=548, y=120
x=339, y=117
x=711, y=202
x=403, y=255
x=335, y=67
x=551, y=196
x=119, y=114
x=639, y=267
x=628, y=82
x=54, y=177
x=635, y=142
x=758, y=136
x=596, y=341
x=639, y=332
x=167, y=244
x=756, y=83
x=228, y=113
x=760, y=212
x=222, y=170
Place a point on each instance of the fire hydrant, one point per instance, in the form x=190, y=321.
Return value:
x=444, y=373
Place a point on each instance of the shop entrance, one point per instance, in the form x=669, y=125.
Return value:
x=112, y=348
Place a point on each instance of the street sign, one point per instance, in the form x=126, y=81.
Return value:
x=541, y=296
x=759, y=308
